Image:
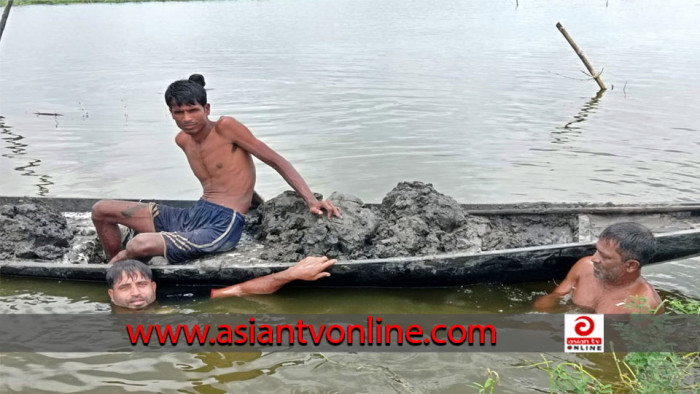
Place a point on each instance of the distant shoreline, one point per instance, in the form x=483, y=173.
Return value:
x=63, y=2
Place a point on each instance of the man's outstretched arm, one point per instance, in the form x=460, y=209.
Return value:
x=310, y=268
x=238, y=134
x=546, y=302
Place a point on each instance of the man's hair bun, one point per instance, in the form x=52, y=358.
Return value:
x=198, y=79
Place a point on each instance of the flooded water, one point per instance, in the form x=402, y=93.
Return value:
x=297, y=372
x=474, y=97
x=483, y=99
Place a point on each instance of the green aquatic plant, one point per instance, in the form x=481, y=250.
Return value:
x=683, y=306
x=568, y=377
x=637, y=372
x=639, y=305
x=660, y=372
x=490, y=384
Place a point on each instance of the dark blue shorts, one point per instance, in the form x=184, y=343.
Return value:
x=192, y=232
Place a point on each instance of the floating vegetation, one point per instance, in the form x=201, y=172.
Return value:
x=637, y=372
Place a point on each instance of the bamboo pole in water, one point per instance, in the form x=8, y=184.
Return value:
x=5, y=14
x=580, y=54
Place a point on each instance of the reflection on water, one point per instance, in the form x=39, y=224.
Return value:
x=562, y=135
x=443, y=97
x=18, y=149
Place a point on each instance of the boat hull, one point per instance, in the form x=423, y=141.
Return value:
x=536, y=263
x=507, y=266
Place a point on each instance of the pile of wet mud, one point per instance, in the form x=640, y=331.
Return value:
x=413, y=219
x=33, y=231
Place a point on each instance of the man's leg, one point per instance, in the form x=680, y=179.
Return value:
x=142, y=245
x=108, y=214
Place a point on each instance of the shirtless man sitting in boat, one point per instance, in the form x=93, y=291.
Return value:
x=607, y=281
x=219, y=154
x=131, y=284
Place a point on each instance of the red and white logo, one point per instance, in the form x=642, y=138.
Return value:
x=584, y=333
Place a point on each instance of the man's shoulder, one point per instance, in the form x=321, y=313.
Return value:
x=227, y=126
x=583, y=266
x=644, y=288
x=181, y=139
x=645, y=295
x=227, y=121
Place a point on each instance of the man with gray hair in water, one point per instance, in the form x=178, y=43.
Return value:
x=610, y=280
x=220, y=155
x=131, y=284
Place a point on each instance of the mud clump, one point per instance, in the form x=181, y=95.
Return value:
x=33, y=231
x=290, y=232
x=413, y=219
x=418, y=220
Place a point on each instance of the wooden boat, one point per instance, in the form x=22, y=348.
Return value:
x=676, y=226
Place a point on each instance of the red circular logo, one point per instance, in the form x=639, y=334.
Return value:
x=584, y=327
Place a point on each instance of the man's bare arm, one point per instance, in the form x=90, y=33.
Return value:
x=238, y=134
x=310, y=268
x=546, y=302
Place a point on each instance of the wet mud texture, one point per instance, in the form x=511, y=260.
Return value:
x=289, y=231
x=33, y=231
x=85, y=247
x=413, y=220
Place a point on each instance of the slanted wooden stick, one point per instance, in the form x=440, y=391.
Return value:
x=5, y=14
x=580, y=54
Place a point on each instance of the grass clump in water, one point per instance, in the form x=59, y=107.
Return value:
x=490, y=384
x=638, y=372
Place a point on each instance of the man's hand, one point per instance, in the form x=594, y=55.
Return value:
x=547, y=302
x=311, y=268
x=318, y=207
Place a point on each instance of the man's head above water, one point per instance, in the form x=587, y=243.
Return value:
x=187, y=92
x=632, y=241
x=131, y=285
x=622, y=250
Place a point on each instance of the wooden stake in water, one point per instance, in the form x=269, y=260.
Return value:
x=5, y=14
x=579, y=52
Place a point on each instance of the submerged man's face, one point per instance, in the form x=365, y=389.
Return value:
x=133, y=292
x=608, y=264
x=190, y=118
